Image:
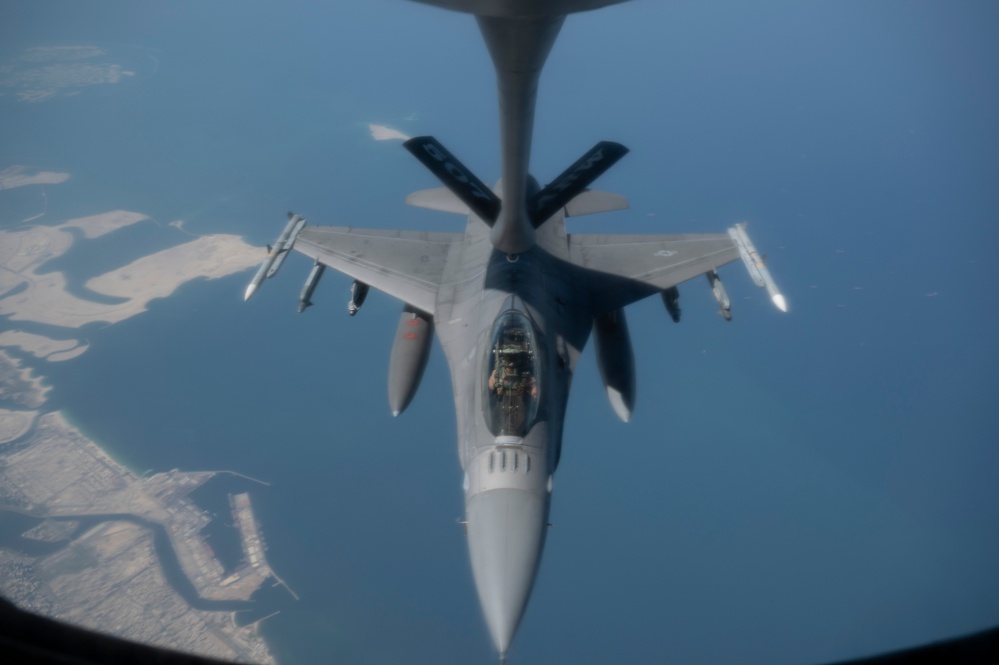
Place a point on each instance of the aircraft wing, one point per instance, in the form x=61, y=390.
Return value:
x=625, y=268
x=405, y=264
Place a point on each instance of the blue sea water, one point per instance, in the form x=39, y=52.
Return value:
x=794, y=488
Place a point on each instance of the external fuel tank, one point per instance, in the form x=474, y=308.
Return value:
x=410, y=352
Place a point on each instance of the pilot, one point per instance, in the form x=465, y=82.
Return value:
x=507, y=378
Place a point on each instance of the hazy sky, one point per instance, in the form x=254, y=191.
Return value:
x=792, y=488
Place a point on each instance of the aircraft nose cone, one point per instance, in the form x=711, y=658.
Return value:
x=506, y=533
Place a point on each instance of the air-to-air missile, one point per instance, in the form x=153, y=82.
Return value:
x=410, y=351
x=358, y=292
x=616, y=361
x=276, y=254
x=721, y=295
x=671, y=298
x=305, y=297
x=754, y=264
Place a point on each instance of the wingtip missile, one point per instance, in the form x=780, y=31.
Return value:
x=276, y=254
x=755, y=265
x=259, y=276
x=284, y=244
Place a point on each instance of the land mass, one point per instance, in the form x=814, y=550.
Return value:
x=42, y=297
x=19, y=176
x=40, y=346
x=47, y=72
x=110, y=578
x=100, y=537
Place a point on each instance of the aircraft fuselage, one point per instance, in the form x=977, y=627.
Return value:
x=513, y=319
x=513, y=301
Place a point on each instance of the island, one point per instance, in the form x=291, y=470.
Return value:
x=29, y=294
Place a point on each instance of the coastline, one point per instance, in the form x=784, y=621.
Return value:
x=110, y=577
x=122, y=547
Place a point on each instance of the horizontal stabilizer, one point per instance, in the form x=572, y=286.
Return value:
x=470, y=190
x=574, y=180
x=439, y=198
x=593, y=201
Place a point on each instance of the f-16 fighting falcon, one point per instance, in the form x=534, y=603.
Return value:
x=513, y=301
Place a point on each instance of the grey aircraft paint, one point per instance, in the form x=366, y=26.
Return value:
x=513, y=300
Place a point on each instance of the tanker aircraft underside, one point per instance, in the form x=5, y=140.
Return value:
x=513, y=301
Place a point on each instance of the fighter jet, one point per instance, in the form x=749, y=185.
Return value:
x=513, y=301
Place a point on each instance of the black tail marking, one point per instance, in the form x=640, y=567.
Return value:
x=574, y=180
x=456, y=177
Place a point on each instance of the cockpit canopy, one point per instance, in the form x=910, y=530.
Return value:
x=512, y=382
